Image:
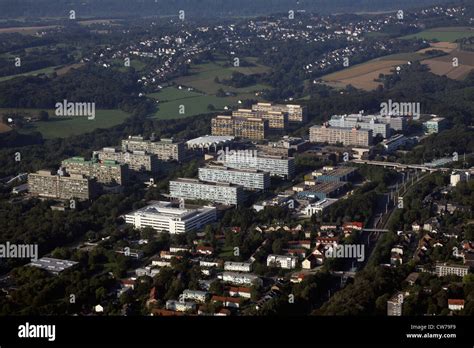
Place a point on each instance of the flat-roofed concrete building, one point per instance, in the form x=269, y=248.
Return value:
x=164, y=149
x=238, y=266
x=276, y=119
x=395, y=142
x=52, y=265
x=319, y=190
x=136, y=160
x=352, y=121
x=337, y=174
x=286, y=146
x=164, y=217
x=240, y=278
x=248, y=178
x=245, y=127
x=275, y=165
x=345, y=136
x=296, y=113
x=435, y=125
x=105, y=172
x=445, y=269
x=282, y=261
x=193, y=189
x=48, y=185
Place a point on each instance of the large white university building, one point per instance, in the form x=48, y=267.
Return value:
x=162, y=217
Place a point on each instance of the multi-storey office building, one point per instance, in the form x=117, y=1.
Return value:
x=165, y=149
x=276, y=119
x=136, y=160
x=244, y=127
x=296, y=113
x=105, y=172
x=351, y=121
x=248, y=178
x=275, y=165
x=345, y=136
x=163, y=217
x=435, y=125
x=48, y=185
x=396, y=123
x=214, y=192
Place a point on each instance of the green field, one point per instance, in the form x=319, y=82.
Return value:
x=443, y=34
x=63, y=127
x=48, y=70
x=194, y=103
x=202, y=76
x=201, y=80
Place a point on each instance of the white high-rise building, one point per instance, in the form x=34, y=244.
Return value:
x=274, y=165
x=193, y=189
x=250, y=179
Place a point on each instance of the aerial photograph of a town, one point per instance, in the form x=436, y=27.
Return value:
x=239, y=169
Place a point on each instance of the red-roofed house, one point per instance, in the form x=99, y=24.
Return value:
x=205, y=250
x=354, y=225
x=232, y=302
x=240, y=291
x=455, y=304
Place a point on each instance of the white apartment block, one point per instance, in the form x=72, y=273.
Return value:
x=162, y=217
x=136, y=160
x=193, y=189
x=194, y=295
x=345, y=136
x=180, y=306
x=240, y=278
x=444, y=269
x=274, y=165
x=351, y=121
x=282, y=261
x=238, y=266
x=250, y=179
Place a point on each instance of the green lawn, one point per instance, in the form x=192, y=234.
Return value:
x=202, y=76
x=201, y=79
x=63, y=127
x=442, y=34
x=194, y=103
x=48, y=70
x=227, y=252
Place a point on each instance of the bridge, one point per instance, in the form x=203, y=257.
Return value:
x=423, y=168
x=375, y=230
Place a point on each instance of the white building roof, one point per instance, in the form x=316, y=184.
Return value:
x=209, y=140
